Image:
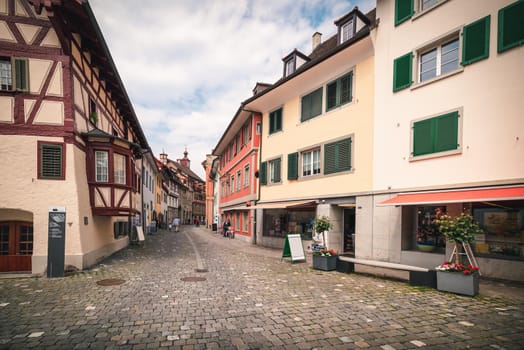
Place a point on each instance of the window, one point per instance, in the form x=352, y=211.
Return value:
x=101, y=166
x=259, y=128
x=437, y=134
x=239, y=180
x=339, y=92
x=245, y=221
x=93, y=116
x=311, y=105
x=289, y=67
x=17, y=79
x=263, y=173
x=274, y=170
x=310, y=162
x=246, y=176
x=510, y=30
x=120, y=168
x=427, y=235
x=51, y=161
x=337, y=156
x=246, y=134
x=439, y=60
x=237, y=221
x=232, y=184
x=275, y=121
x=347, y=30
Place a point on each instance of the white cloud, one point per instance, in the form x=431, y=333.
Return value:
x=187, y=65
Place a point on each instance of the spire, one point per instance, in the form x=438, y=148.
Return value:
x=185, y=161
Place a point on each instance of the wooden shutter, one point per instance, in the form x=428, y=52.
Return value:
x=403, y=10
x=21, y=75
x=510, y=28
x=331, y=96
x=345, y=88
x=311, y=105
x=51, y=161
x=263, y=173
x=402, y=70
x=446, y=132
x=277, y=167
x=329, y=158
x=271, y=122
x=278, y=117
x=292, y=166
x=475, y=41
x=422, y=137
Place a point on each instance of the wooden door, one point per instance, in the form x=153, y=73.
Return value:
x=16, y=246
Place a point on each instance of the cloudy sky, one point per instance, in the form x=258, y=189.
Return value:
x=187, y=64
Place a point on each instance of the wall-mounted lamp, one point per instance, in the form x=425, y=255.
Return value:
x=85, y=220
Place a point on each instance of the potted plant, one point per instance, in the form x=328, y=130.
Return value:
x=324, y=259
x=456, y=276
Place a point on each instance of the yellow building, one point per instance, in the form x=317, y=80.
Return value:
x=317, y=136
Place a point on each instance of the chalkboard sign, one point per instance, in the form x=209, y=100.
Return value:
x=56, y=242
x=140, y=233
x=293, y=248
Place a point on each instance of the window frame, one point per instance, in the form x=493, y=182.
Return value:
x=338, y=91
x=308, y=101
x=274, y=171
x=239, y=180
x=19, y=77
x=40, y=165
x=350, y=23
x=433, y=118
x=118, y=177
x=275, y=120
x=311, y=151
x=246, y=175
x=106, y=152
x=437, y=45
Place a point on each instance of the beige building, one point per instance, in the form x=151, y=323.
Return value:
x=317, y=136
x=68, y=137
x=449, y=132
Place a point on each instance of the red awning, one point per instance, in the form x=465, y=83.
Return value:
x=457, y=196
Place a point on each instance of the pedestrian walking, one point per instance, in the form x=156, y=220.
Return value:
x=176, y=223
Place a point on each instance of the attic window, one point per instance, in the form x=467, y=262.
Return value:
x=347, y=30
x=289, y=66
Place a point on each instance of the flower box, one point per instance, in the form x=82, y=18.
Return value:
x=458, y=282
x=325, y=263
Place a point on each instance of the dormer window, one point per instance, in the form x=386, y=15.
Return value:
x=347, y=31
x=293, y=61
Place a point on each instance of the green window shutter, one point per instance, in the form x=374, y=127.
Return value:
x=21, y=70
x=263, y=173
x=329, y=158
x=403, y=10
x=311, y=105
x=511, y=26
x=331, y=98
x=345, y=88
x=422, y=137
x=402, y=70
x=337, y=156
x=344, y=155
x=292, y=166
x=275, y=121
x=271, y=123
x=475, y=43
x=279, y=120
x=446, y=132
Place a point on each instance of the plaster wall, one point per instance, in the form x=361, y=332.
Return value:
x=489, y=92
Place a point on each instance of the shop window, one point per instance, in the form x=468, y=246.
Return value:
x=503, y=226
x=427, y=235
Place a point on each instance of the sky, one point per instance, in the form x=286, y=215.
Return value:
x=187, y=65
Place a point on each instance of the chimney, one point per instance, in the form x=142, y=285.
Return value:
x=317, y=38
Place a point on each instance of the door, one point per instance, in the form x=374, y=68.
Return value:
x=349, y=230
x=16, y=246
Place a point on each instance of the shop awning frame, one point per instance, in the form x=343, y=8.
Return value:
x=457, y=196
x=285, y=205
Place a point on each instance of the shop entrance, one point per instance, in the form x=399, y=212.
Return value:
x=349, y=230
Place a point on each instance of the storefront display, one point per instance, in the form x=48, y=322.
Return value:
x=279, y=222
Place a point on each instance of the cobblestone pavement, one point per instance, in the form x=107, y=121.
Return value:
x=248, y=299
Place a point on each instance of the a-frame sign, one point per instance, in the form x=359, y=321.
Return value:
x=293, y=248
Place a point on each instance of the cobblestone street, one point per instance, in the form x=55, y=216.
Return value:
x=247, y=299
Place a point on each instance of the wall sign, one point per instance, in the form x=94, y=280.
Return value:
x=56, y=242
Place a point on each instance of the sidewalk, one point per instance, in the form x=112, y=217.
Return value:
x=487, y=287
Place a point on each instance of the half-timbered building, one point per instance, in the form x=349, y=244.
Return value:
x=69, y=137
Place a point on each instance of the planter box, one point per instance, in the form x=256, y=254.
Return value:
x=325, y=263
x=457, y=282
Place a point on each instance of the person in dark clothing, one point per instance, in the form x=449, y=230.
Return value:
x=226, y=227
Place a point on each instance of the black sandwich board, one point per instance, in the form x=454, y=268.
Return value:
x=293, y=248
x=56, y=242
